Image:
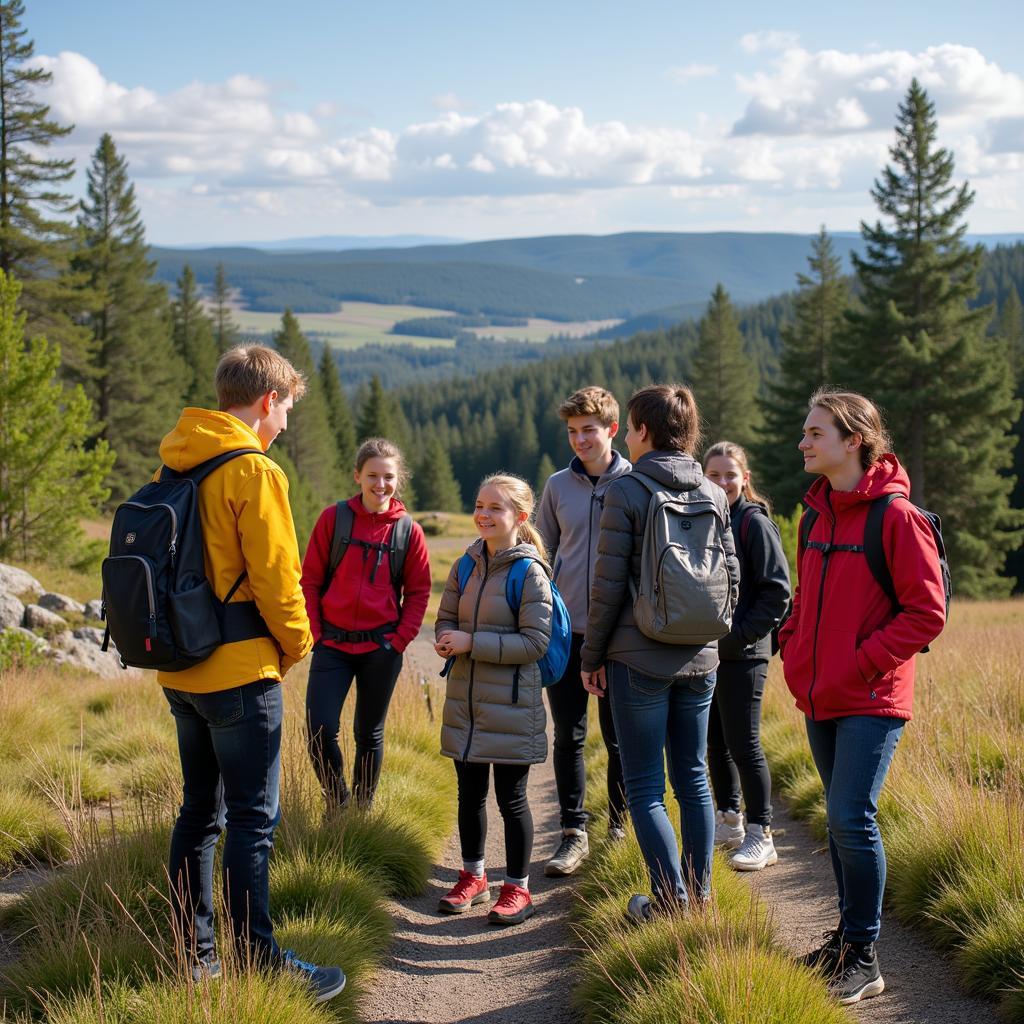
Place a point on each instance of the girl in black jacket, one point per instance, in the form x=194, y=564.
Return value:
x=735, y=758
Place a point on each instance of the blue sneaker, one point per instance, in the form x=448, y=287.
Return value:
x=324, y=982
x=206, y=970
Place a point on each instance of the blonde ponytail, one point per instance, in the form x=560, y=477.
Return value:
x=520, y=497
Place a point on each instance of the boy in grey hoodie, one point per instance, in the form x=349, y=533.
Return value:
x=568, y=519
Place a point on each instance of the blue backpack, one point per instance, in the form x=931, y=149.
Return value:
x=553, y=664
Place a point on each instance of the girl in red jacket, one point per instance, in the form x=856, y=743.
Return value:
x=362, y=617
x=848, y=655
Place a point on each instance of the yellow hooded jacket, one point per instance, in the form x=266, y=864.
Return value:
x=247, y=524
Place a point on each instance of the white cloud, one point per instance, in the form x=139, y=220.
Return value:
x=448, y=101
x=757, y=42
x=687, y=72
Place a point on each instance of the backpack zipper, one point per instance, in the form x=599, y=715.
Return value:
x=150, y=594
x=173, y=546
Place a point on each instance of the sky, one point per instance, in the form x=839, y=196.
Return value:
x=255, y=120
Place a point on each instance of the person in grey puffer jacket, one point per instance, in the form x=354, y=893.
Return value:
x=493, y=709
x=661, y=693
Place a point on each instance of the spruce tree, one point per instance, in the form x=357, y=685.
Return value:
x=375, y=415
x=193, y=340
x=136, y=376
x=805, y=362
x=724, y=381
x=49, y=478
x=918, y=349
x=338, y=411
x=225, y=330
x=436, y=487
x=35, y=210
x=544, y=471
x=309, y=440
x=1011, y=334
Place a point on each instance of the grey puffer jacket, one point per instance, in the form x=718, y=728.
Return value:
x=612, y=633
x=493, y=708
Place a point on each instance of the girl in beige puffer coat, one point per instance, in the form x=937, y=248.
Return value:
x=493, y=709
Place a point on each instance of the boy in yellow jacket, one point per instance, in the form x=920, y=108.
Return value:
x=228, y=708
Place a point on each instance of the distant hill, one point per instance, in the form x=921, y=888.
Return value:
x=332, y=243
x=566, y=277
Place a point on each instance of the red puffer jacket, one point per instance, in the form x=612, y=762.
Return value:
x=355, y=603
x=844, y=650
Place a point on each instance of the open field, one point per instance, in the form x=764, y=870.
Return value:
x=539, y=330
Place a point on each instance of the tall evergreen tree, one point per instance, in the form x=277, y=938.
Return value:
x=805, y=362
x=1011, y=334
x=193, y=340
x=309, y=440
x=375, y=414
x=136, y=378
x=917, y=348
x=436, y=487
x=35, y=211
x=49, y=479
x=544, y=470
x=225, y=330
x=724, y=380
x=338, y=411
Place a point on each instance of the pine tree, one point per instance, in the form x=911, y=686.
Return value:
x=338, y=411
x=35, y=237
x=193, y=340
x=225, y=330
x=805, y=360
x=1011, y=334
x=48, y=478
x=920, y=352
x=544, y=470
x=724, y=381
x=375, y=416
x=436, y=487
x=309, y=440
x=136, y=376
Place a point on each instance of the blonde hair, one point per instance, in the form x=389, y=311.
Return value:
x=591, y=401
x=521, y=498
x=738, y=454
x=246, y=372
x=855, y=414
x=382, y=448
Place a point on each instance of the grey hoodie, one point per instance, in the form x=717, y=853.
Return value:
x=612, y=633
x=569, y=520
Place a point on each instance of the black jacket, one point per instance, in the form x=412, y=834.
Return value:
x=612, y=633
x=764, y=584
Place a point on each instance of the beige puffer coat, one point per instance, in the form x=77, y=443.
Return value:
x=493, y=708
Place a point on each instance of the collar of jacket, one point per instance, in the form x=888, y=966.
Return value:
x=616, y=468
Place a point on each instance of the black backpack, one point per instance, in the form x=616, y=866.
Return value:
x=874, y=551
x=160, y=608
x=396, y=547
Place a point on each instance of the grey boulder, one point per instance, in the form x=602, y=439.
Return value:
x=61, y=603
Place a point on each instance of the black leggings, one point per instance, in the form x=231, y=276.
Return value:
x=568, y=702
x=510, y=792
x=735, y=757
x=330, y=679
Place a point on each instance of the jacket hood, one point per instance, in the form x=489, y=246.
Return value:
x=509, y=555
x=202, y=434
x=616, y=468
x=886, y=476
x=676, y=470
x=395, y=510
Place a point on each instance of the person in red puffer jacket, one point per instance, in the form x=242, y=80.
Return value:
x=361, y=620
x=848, y=657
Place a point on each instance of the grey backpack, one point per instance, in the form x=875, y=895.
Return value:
x=685, y=594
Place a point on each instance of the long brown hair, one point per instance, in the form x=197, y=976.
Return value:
x=738, y=454
x=855, y=414
x=521, y=498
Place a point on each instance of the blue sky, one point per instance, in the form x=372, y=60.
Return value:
x=477, y=120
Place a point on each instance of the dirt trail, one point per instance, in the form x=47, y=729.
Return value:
x=443, y=968
x=920, y=981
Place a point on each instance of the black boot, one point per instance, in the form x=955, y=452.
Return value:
x=858, y=976
x=825, y=959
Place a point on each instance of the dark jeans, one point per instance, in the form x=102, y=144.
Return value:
x=330, y=679
x=735, y=757
x=852, y=756
x=568, y=702
x=230, y=747
x=654, y=716
x=510, y=791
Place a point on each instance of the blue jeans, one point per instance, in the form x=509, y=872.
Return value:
x=230, y=748
x=653, y=716
x=853, y=755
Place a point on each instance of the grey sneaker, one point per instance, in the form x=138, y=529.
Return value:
x=757, y=850
x=640, y=908
x=616, y=834
x=324, y=982
x=858, y=975
x=728, y=829
x=206, y=970
x=571, y=850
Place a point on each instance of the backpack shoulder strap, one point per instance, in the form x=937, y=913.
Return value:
x=874, y=550
x=648, y=482
x=748, y=513
x=514, y=582
x=204, y=469
x=465, y=570
x=810, y=517
x=398, y=546
x=341, y=537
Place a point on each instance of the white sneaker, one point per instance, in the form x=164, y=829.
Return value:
x=728, y=829
x=756, y=851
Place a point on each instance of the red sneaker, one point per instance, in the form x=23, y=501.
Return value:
x=513, y=906
x=467, y=892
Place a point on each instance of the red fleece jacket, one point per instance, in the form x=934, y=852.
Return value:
x=352, y=601
x=844, y=649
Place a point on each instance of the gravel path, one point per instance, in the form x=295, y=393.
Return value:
x=920, y=982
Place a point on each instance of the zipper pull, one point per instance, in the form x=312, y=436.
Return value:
x=152, y=633
x=377, y=564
